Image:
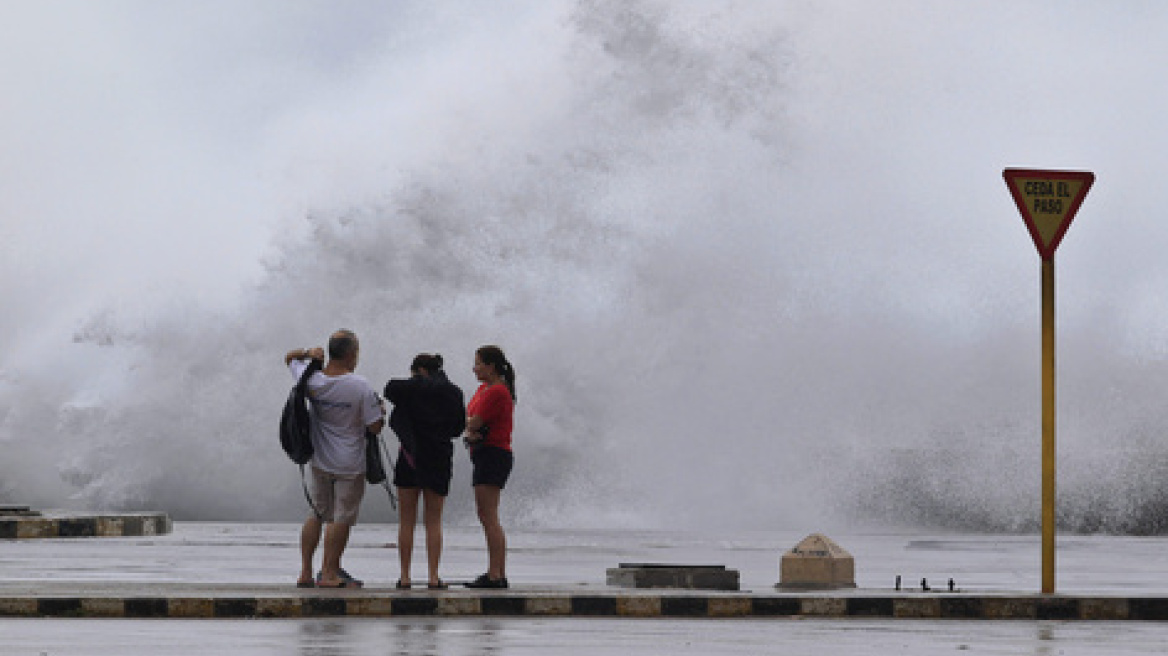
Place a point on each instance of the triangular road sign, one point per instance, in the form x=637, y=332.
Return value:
x=1048, y=201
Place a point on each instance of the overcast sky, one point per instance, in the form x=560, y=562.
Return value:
x=157, y=154
x=137, y=137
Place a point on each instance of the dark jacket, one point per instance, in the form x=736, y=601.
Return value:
x=425, y=410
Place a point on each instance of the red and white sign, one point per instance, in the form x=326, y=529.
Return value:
x=1048, y=201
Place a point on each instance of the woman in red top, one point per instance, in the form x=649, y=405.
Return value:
x=488, y=435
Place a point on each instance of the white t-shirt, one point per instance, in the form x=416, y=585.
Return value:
x=342, y=406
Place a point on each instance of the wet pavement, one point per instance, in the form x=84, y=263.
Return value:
x=246, y=557
x=225, y=560
x=577, y=636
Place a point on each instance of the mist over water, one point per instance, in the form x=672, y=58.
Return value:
x=754, y=263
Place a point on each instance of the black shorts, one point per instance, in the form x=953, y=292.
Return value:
x=432, y=471
x=492, y=466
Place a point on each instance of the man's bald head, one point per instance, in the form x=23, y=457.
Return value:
x=342, y=345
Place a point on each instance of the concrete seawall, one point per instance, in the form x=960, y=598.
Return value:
x=83, y=525
x=240, y=603
x=237, y=569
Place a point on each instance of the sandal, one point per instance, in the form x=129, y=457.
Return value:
x=344, y=583
x=402, y=586
x=440, y=585
x=345, y=576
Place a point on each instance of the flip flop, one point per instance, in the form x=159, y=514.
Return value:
x=344, y=583
x=344, y=576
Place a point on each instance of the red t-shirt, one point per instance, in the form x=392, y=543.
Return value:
x=494, y=406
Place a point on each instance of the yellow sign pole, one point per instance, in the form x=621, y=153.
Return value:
x=1048, y=432
x=1048, y=201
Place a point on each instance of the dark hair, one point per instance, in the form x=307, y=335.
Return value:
x=342, y=344
x=493, y=355
x=429, y=361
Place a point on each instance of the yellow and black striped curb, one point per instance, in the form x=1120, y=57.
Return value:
x=460, y=604
x=65, y=525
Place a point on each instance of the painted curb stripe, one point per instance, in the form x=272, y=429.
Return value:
x=661, y=606
x=1148, y=609
x=593, y=606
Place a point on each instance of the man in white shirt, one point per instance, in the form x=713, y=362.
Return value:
x=344, y=406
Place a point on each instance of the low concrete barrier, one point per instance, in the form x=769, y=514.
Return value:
x=362, y=603
x=50, y=524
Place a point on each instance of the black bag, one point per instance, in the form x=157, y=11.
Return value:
x=296, y=422
x=296, y=427
x=374, y=466
x=375, y=469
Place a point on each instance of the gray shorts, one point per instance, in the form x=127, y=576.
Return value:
x=337, y=496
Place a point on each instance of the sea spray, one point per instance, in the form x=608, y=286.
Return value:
x=731, y=298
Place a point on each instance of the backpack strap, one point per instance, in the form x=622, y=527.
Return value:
x=388, y=468
x=304, y=482
x=314, y=366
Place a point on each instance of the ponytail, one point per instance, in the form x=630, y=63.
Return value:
x=493, y=355
x=509, y=378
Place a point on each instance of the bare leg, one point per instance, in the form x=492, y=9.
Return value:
x=433, y=518
x=336, y=537
x=407, y=500
x=309, y=538
x=487, y=504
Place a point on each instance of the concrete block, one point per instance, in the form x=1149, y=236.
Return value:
x=730, y=606
x=824, y=606
x=664, y=575
x=415, y=605
x=36, y=528
x=278, y=607
x=186, y=607
x=685, y=606
x=965, y=607
x=593, y=605
x=816, y=563
x=59, y=607
x=103, y=607
x=454, y=605
x=313, y=606
x=55, y=524
x=923, y=607
x=870, y=607
x=77, y=527
x=1147, y=608
x=503, y=605
x=111, y=527
x=775, y=606
x=1103, y=609
x=145, y=607
x=549, y=606
x=1057, y=608
x=638, y=606
x=1010, y=608
x=371, y=606
x=18, y=607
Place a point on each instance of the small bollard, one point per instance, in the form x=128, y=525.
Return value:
x=816, y=563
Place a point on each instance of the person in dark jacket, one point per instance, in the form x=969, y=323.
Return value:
x=428, y=413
